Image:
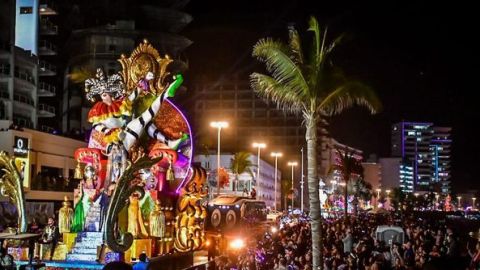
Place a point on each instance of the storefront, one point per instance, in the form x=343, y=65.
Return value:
x=45, y=160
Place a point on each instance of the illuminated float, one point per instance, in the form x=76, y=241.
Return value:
x=138, y=192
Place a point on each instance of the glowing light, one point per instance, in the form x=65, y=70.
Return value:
x=237, y=244
x=219, y=124
x=259, y=145
x=274, y=229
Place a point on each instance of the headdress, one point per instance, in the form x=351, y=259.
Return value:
x=112, y=85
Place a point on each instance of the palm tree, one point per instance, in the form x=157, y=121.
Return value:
x=348, y=166
x=308, y=85
x=241, y=163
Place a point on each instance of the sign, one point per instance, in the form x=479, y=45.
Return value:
x=22, y=161
x=20, y=148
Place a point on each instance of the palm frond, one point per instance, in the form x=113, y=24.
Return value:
x=295, y=46
x=277, y=59
x=334, y=43
x=81, y=74
x=347, y=95
x=270, y=89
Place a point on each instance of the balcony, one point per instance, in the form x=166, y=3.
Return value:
x=46, y=48
x=5, y=69
x=24, y=76
x=46, y=69
x=25, y=100
x=48, y=28
x=46, y=129
x=46, y=90
x=47, y=8
x=4, y=94
x=45, y=110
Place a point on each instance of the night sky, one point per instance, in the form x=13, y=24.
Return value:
x=420, y=57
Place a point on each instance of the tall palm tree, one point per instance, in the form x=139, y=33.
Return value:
x=308, y=85
x=348, y=166
x=241, y=163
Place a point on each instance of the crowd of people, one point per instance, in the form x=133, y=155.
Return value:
x=428, y=243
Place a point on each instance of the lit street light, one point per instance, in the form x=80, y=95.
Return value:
x=218, y=125
x=459, y=198
x=276, y=155
x=292, y=164
x=378, y=192
x=388, y=192
x=473, y=203
x=259, y=146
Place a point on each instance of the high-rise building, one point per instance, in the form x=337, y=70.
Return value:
x=425, y=153
x=24, y=75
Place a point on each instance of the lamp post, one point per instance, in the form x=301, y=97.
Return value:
x=301, y=185
x=378, y=197
x=292, y=164
x=276, y=155
x=218, y=125
x=258, y=146
x=459, y=198
x=473, y=203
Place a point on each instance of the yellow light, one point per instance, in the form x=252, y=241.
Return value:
x=207, y=243
x=219, y=124
x=292, y=163
x=276, y=154
x=237, y=244
x=273, y=229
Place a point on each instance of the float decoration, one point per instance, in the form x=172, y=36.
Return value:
x=11, y=186
x=137, y=164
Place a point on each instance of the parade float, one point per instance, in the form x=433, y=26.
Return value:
x=138, y=191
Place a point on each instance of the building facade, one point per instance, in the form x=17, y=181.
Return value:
x=263, y=184
x=425, y=153
x=45, y=160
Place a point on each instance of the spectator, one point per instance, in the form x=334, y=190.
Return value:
x=142, y=264
x=117, y=266
x=6, y=260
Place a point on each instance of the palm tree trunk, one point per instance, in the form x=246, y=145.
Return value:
x=313, y=192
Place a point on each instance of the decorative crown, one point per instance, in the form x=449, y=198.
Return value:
x=112, y=85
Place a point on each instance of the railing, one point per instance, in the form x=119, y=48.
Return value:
x=23, y=99
x=44, y=66
x=22, y=121
x=47, y=45
x=47, y=88
x=4, y=94
x=23, y=75
x=5, y=69
x=47, y=27
x=46, y=108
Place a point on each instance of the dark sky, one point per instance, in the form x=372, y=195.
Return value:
x=420, y=57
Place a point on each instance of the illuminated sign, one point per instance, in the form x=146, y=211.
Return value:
x=20, y=148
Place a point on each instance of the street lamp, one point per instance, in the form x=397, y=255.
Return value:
x=473, y=203
x=276, y=155
x=258, y=146
x=388, y=192
x=292, y=164
x=218, y=125
x=459, y=198
x=378, y=192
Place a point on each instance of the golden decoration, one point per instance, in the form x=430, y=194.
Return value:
x=190, y=213
x=11, y=186
x=145, y=58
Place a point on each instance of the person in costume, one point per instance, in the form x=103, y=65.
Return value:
x=135, y=220
x=157, y=221
x=79, y=213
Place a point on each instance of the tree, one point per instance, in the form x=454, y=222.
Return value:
x=309, y=85
x=348, y=166
x=241, y=163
